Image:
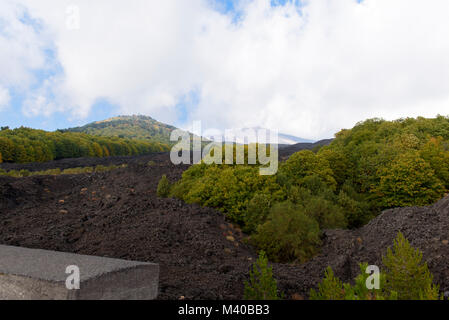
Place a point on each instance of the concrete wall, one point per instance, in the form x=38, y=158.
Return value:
x=34, y=274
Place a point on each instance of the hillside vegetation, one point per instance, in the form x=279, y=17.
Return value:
x=130, y=127
x=29, y=145
x=374, y=166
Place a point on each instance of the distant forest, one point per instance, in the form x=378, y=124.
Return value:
x=24, y=145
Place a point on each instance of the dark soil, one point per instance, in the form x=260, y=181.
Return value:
x=201, y=255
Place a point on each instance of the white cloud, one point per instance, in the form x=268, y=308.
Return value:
x=22, y=47
x=4, y=98
x=308, y=73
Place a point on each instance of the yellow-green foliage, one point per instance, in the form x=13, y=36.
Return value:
x=163, y=187
x=225, y=187
x=405, y=277
x=306, y=163
x=55, y=172
x=78, y=170
x=408, y=180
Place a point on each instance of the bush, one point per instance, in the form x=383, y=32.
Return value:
x=225, y=187
x=257, y=212
x=288, y=234
x=327, y=214
x=163, y=188
x=24, y=173
x=357, y=213
x=262, y=285
x=319, y=205
x=406, y=274
x=79, y=170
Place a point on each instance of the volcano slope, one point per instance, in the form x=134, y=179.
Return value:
x=201, y=255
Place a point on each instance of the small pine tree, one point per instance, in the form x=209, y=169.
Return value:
x=331, y=288
x=261, y=286
x=163, y=188
x=406, y=274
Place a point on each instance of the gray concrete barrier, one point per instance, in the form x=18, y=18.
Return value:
x=33, y=274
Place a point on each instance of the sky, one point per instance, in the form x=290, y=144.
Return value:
x=307, y=68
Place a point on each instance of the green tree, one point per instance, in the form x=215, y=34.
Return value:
x=406, y=274
x=408, y=181
x=288, y=234
x=261, y=285
x=306, y=163
x=436, y=153
x=331, y=288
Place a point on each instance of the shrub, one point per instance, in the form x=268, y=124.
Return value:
x=163, y=188
x=257, y=211
x=80, y=170
x=327, y=214
x=406, y=274
x=320, y=206
x=357, y=213
x=24, y=173
x=262, y=285
x=288, y=234
x=299, y=195
x=225, y=187
x=49, y=172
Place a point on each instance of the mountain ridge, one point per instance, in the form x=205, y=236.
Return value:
x=132, y=127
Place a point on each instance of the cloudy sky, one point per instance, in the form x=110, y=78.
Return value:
x=306, y=68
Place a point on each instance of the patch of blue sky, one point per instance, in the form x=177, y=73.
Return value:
x=27, y=19
x=232, y=7
x=185, y=107
x=14, y=118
